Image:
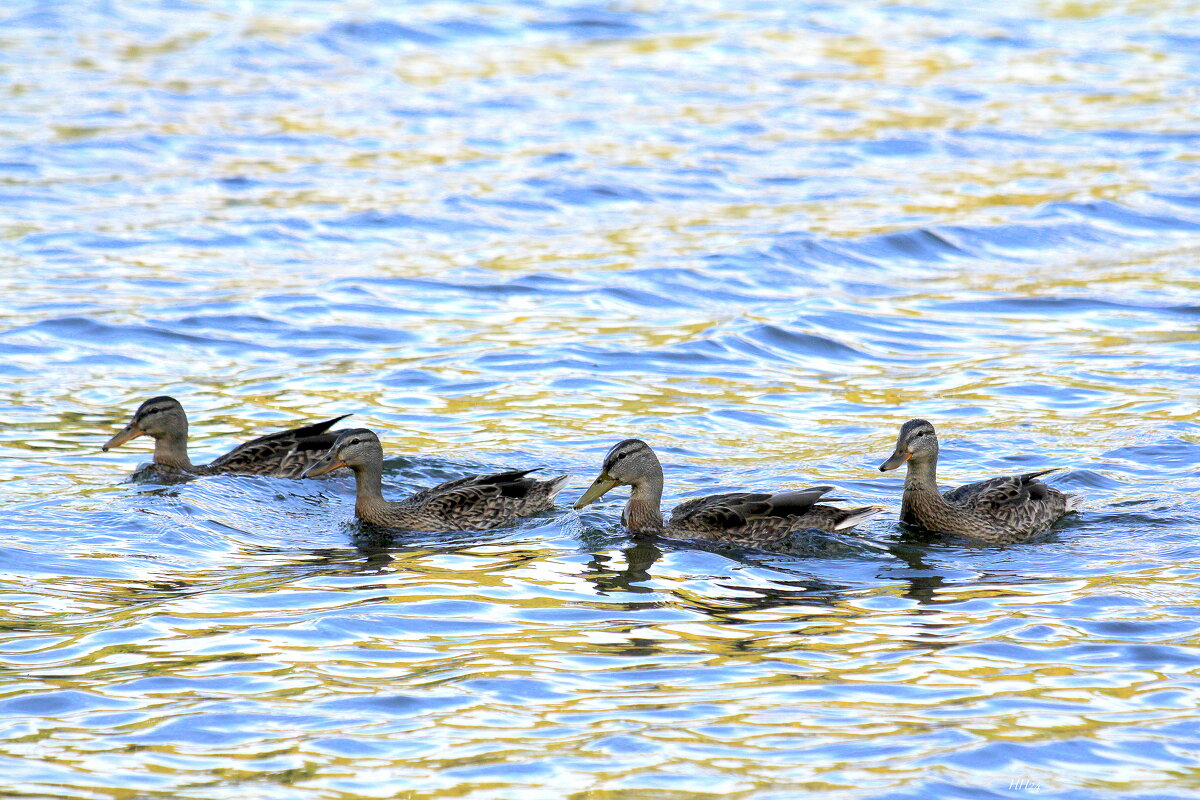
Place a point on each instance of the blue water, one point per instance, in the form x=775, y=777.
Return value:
x=758, y=235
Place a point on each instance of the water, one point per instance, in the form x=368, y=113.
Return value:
x=759, y=235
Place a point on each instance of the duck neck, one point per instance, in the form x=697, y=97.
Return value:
x=921, y=495
x=170, y=450
x=643, y=512
x=368, y=491
x=921, y=476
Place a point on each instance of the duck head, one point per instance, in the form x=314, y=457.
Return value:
x=159, y=417
x=917, y=442
x=628, y=463
x=355, y=448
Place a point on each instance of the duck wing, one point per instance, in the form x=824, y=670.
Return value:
x=995, y=492
x=1021, y=502
x=284, y=453
x=690, y=508
x=448, y=487
x=487, y=501
x=744, y=513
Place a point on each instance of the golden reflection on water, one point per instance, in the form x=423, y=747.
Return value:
x=494, y=343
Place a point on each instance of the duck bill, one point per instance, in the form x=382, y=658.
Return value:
x=596, y=490
x=327, y=464
x=130, y=433
x=898, y=458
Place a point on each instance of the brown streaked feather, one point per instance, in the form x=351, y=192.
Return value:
x=1005, y=490
x=760, y=519
x=443, y=489
x=284, y=454
x=1003, y=510
x=734, y=511
x=1013, y=507
x=475, y=502
x=690, y=508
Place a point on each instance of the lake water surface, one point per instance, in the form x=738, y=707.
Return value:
x=759, y=235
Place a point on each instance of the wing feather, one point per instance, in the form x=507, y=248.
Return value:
x=295, y=448
x=484, y=501
x=1020, y=503
x=728, y=514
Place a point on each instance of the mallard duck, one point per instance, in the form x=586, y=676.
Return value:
x=475, y=502
x=758, y=519
x=997, y=511
x=283, y=455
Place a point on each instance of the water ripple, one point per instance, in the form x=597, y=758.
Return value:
x=760, y=236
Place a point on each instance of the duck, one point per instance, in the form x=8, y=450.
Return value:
x=473, y=502
x=758, y=519
x=284, y=454
x=1002, y=510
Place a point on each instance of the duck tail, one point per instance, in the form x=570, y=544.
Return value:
x=1041, y=473
x=1074, y=503
x=854, y=516
x=317, y=428
x=556, y=485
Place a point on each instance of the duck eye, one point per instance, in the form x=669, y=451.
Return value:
x=621, y=455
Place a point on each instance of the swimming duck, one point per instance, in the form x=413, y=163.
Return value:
x=752, y=518
x=995, y=511
x=476, y=502
x=283, y=455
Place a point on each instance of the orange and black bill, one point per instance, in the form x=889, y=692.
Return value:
x=128, y=433
x=897, y=458
x=328, y=463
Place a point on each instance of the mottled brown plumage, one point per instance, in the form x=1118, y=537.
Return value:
x=997, y=511
x=475, y=502
x=758, y=519
x=285, y=454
